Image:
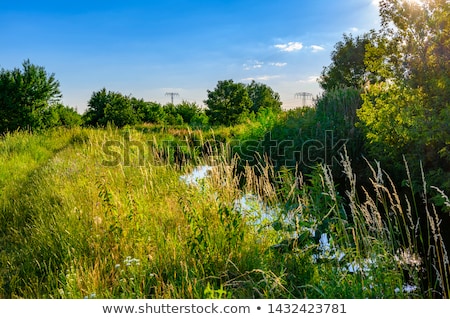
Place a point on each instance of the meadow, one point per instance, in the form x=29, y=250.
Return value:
x=239, y=197
x=83, y=214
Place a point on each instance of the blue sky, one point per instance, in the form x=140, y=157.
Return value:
x=148, y=48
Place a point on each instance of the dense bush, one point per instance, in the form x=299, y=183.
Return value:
x=232, y=103
x=227, y=102
x=113, y=107
x=189, y=112
x=306, y=136
x=61, y=115
x=149, y=112
x=406, y=107
x=336, y=118
x=26, y=96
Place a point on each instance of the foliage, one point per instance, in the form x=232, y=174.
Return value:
x=25, y=97
x=418, y=41
x=263, y=97
x=336, y=115
x=61, y=115
x=172, y=117
x=188, y=111
x=95, y=112
x=200, y=119
x=232, y=103
x=306, y=136
x=139, y=231
x=148, y=112
x=347, y=68
x=227, y=102
x=406, y=107
x=111, y=107
x=120, y=111
x=393, y=117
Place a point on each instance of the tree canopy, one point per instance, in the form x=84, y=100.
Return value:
x=111, y=107
x=406, y=107
x=263, y=97
x=25, y=96
x=229, y=101
x=347, y=68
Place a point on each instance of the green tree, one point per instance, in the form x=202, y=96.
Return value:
x=95, y=112
x=347, y=68
x=394, y=119
x=199, y=119
x=227, y=102
x=25, y=96
x=61, y=115
x=172, y=117
x=188, y=111
x=417, y=49
x=336, y=114
x=419, y=54
x=149, y=112
x=120, y=111
x=263, y=97
x=406, y=107
x=111, y=107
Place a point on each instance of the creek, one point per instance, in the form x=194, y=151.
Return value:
x=262, y=215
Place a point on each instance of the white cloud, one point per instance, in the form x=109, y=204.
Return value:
x=316, y=48
x=354, y=30
x=251, y=65
x=310, y=79
x=261, y=78
x=290, y=46
x=278, y=64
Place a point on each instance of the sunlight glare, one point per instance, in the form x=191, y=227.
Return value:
x=418, y=2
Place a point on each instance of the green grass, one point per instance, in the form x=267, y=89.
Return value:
x=74, y=228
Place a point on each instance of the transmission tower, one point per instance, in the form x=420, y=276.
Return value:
x=172, y=94
x=305, y=96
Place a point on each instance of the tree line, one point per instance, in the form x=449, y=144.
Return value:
x=402, y=75
x=390, y=87
x=30, y=98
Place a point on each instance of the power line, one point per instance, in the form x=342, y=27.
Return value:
x=304, y=96
x=172, y=94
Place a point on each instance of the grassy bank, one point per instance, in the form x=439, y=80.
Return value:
x=73, y=227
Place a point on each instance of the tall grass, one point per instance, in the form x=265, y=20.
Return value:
x=75, y=228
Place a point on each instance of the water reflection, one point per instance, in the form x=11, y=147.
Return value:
x=262, y=215
x=199, y=173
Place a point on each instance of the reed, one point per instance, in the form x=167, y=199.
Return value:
x=73, y=227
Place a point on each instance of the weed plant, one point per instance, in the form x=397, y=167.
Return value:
x=72, y=227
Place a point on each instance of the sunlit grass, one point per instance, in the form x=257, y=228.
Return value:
x=75, y=228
